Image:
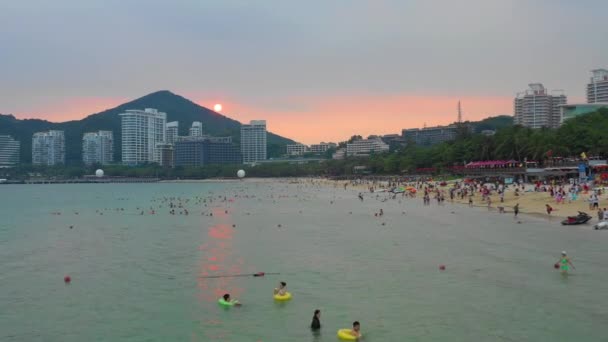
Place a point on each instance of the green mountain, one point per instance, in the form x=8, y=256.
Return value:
x=492, y=123
x=177, y=108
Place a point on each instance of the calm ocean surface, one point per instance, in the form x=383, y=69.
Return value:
x=138, y=277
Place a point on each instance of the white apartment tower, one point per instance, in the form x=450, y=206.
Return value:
x=597, y=89
x=98, y=148
x=48, y=148
x=253, y=141
x=197, y=129
x=172, y=132
x=9, y=151
x=536, y=108
x=141, y=131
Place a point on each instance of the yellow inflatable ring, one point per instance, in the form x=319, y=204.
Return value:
x=286, y=296
x=344, y=334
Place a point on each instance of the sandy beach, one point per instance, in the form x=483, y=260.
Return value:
x=530, y=202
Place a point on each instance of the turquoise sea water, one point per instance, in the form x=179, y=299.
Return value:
x=138, y=277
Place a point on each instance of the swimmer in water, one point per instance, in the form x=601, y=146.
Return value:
x=229, y=300
x=316, y=323
x=565, y=263
x=356, y=330
x=281, y=290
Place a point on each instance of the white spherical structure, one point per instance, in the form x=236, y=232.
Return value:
x=99, y=173
x=240, y=173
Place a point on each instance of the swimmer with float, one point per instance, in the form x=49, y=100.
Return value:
x=281, y=293
x=227, y=301
x=565, y=263
x=351, y=334
x=281, y=290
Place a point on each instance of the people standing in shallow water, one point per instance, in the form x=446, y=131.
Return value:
x=316, y=322
x=565, y=263
x=516, y=210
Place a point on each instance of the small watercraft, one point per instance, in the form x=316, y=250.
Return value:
x=581, y=218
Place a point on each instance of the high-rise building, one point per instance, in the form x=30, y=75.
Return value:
x=141, y=131
x=597, y=89
x=253, y=141
x=48, y=148
x=536, y=108
x=9, y=151
x=365, y=147
x=172, y=132
x=98, y=148
x=197, y=129
x=199, y=151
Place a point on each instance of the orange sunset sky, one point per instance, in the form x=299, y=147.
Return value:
x=315, y=119
x=316, y=70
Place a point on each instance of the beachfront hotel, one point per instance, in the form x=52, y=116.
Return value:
x=429, y=135
x=98, y=148
x=571, y=110
x=365, y=147
x=172, y=129
x=597, y=88
x=321, y=147
x=9, y=151
x=535, y=108
x=197, y=129
x=253, y=141
x=141, y=131
x=48, y=148
x=296, y=149
x=206, y=150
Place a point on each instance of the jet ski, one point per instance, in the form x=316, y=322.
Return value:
x=578, y=219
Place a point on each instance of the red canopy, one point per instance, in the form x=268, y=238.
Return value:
x=490, y=164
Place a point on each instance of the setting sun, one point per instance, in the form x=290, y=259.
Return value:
x=217, y=107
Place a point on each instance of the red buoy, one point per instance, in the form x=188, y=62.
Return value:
x=67, y=279
x=442, y=267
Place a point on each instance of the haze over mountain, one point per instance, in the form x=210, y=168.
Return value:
x=177, y=108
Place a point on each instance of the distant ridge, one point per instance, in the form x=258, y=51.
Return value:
x=177, y=108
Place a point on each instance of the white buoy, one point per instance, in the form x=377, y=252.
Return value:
x=240, y=173
x=99, y=173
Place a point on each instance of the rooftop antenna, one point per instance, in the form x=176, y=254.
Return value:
x=459, y=113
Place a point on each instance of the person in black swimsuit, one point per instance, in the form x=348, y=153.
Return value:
x=316, y=323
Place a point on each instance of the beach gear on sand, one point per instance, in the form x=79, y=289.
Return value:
x=286, y=296
x=344, y=334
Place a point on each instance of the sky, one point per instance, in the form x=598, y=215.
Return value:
x=316, y=70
